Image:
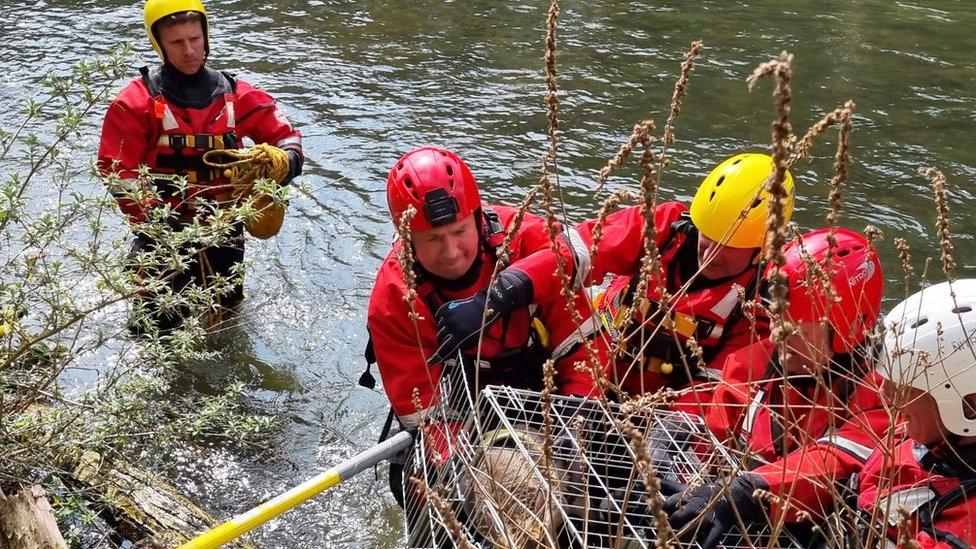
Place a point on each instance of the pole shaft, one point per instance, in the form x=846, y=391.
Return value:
x=245, y=522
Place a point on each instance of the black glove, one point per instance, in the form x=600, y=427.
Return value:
x=716, y=509
x=294, y=166
x=459, y=322
x=636, y=509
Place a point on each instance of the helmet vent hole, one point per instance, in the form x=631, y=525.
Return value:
x=400, y=166
x=844, y=253
x=720, y=181
x=737, y=160
x=712, y=197
x=918, y=323
x=450, y=170
x=962, y=309
x=407, y=182
x=756, y=203
x=451, y=182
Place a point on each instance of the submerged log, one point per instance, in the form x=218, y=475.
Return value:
x=146, y=509
x=27, y=521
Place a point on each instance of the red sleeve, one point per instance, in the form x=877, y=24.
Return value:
x=741, y=371
x=924, y=541
x=260, y=119
x=810, y=476
x=622, y=242
x=532, y=254
x=401, y=362
x=742, y=334
x=573, y=369
x=124, y=144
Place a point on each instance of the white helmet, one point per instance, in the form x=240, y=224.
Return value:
x=930, y=344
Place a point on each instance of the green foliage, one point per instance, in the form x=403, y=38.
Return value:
x=68, y=290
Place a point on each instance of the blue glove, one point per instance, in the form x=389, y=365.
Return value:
x=715, y=509
x=459, y=322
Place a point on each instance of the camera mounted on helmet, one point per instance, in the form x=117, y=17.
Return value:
x=440, y=208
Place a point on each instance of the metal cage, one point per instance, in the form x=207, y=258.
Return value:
x=480, y=475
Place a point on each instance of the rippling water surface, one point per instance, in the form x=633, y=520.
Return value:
x=365, y=81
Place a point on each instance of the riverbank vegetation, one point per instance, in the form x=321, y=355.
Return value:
x=73, y=382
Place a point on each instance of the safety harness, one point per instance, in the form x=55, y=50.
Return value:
x=927, y=512
x=665, y=347
x=495, y=369
x=179, y=153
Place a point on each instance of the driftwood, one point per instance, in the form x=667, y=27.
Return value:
x=146, y=509
x=143, y=508
x=26, y=521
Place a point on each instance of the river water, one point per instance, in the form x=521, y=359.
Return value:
x=365, y=81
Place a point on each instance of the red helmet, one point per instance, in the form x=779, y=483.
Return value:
x=437, y=183
x=855, y=277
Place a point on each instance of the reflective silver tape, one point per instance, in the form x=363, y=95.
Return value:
x=169, y=121
x=589, y=327
x=581, y=256
x=859, y=450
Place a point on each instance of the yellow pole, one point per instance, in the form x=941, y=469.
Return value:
x=239, y=525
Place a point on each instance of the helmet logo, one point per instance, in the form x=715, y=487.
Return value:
x=864, y=273
x=440, y=207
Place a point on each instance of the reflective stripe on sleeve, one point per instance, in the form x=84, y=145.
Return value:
x=412, y=421
x=857, y=450
x=581, y=256
x=590, y=326
x=293, y=141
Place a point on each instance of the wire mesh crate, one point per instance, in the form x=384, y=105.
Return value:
x=485, y=475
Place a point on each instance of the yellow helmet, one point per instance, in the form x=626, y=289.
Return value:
x=730, y=205
x=158, y=9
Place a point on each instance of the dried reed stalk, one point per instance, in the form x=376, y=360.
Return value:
x=640, y=131
x=801, y=148
x=652, y=483
x=609, y=205
x=513, y=229
x=680, y=92
x=406, y=259
x=905, y=256
x=905, y=538
x=450, y=519
x=549, y=387
x=651, y=266
x=566, y=285
x=782, y=129
x=873, y=234
x=940, y=189
x=842, y=164
x=552, y=101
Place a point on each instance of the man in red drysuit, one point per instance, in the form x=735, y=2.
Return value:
x=508, y=327
x=167, y=119
x=807, y=420
x=930, y=376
